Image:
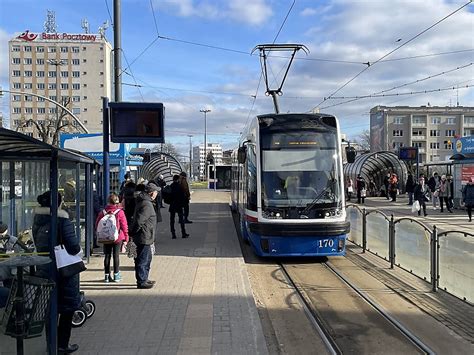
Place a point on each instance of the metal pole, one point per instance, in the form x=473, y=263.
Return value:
x=391, y=243
x=417, y=163
x=190, y=157
x=275, y=101
x=106, y=166
x=364, y=230
x=117, y=54
x=205, y=111
x=434, y=259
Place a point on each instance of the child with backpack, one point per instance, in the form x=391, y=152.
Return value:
x=112, y=231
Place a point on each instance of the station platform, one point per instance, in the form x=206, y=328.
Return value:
x=202, y=302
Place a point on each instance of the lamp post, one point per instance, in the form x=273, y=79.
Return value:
x=57, y=63
x=190, y=156
x=205, y=111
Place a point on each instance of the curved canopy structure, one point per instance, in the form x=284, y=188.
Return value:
x=161, y=164
x=375, y=166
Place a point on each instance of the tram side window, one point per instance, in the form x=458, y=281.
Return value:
x=251, y=178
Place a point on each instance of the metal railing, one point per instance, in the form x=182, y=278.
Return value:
x=444, y=259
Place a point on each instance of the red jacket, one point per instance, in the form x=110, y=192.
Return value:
x=121, y=222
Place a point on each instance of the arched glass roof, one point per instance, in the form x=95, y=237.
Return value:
x=375, y=166
x=161, y=164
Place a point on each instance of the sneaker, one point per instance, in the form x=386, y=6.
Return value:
x=151, y=282
x=107, y=278
x=145, y=286
x=117, y=277
x=187, y=221
x=173, y=236
x=185, y=235
x=70, y=349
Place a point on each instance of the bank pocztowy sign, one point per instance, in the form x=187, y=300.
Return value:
x=27, y=36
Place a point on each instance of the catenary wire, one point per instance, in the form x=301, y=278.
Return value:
x=392, y=51
x=133, y=76
x=154, y=18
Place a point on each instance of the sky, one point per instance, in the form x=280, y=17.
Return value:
x=193, y=55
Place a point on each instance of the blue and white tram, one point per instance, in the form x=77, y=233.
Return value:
x=287, y=185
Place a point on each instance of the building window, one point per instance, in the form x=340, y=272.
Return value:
x=40, y=49
x=397, y=144
x=468, y=119
x=101, y=61
x=64, y=86
x=418, y=120
x=434, y=145
x=64, y=49
x=101, y=85
x=434, y=133
x=17, y=110
x=28, y=86
x=448, y=145
x=450, y=133
x=435, y=120
x=17, y=85
x=417, y=132
x=76, y=86
x=75, y=49
x=39, y=61
x=52, y=86
x=468, y=132
x=29, y=110
x=28, y=73
x=16, y=61
x=40, y=86
x=418, y=144
x=450, y=120
x=76, y=74
x=85, y=109
x=41, y=110
x=85, y=121
x=51, y=49
x=27, y=48
x=16, y=73
x=52, y=74
x=84, y=60
x=52, y=110
x=28, y=61
x=76, y=99
x=84, y=73
x=64, y=74
x=53, y=97
x=398, y=120
x=84, y=85
x=101, y=73
x=397, y=133
x=40, y=74
x=16, y=97
x=29, y=134
x=15, y=48
x=76, y=110
x=75, y=62
x=84, y=98
x=40, y=99
x=84, y=48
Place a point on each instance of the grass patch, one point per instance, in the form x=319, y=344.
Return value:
x=198, y=185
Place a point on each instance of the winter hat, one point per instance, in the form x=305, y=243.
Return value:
x=150, y=187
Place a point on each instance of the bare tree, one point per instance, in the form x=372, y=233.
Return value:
x=52, y=126
x=167, y=148
x=364, y=139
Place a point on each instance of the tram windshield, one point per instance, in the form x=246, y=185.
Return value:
x=300, y=169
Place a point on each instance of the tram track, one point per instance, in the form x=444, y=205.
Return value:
x=340, y=330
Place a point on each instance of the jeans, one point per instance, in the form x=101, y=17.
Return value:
x=64, y=329
x=142, y=263
x=110, y=249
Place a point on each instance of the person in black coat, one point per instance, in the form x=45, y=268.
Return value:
x=410, y=188
x=143, y=234
x=420, y=193
x=178, y=201
x=69, y=299
x=361, y=187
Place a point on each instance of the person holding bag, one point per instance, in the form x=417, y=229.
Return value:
x=421, y=195
x=113, y=248
x=69, y=299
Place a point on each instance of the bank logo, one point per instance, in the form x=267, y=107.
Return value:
x=458, y=146
x=27, y=36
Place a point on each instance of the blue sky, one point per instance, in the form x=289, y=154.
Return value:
x=187, y=77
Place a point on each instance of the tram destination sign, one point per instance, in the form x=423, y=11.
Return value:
x=408, y=153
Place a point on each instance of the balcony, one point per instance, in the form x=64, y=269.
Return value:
x=419, y=124
x=418, y=138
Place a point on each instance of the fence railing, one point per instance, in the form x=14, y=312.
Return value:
x=444, y=259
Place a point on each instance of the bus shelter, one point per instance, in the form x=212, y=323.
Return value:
x=30, y=167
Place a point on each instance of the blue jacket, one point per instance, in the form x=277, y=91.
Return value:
x=69, y=298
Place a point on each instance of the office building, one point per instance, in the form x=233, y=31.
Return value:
x=64, y=67
x=431, y=129
x=199, y=157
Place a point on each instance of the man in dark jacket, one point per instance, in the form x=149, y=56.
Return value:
x=143, y=232
x=178, y=201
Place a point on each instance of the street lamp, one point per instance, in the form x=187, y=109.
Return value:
x=57, y=63
x=190, y=157
x=205, y=111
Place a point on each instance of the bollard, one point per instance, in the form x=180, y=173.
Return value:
x=434, y=246
x=364, y=231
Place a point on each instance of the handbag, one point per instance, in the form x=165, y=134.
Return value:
x=363, y=193
x=350, y=189
x=68, y=265
x=416, y=206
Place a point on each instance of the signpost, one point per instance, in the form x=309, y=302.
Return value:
x=410, y=154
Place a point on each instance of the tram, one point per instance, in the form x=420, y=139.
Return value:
x=287, y=185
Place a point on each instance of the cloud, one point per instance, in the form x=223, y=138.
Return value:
x=251, y=12
x=313, y=11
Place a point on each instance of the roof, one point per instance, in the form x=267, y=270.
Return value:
x=18, y=146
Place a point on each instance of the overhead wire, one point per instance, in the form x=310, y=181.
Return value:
x=392, y=51
x=133, y=76
x=154, y=17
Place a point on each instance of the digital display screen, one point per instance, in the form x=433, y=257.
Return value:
x=137, y=122
x=407, y=153
x=299, y=139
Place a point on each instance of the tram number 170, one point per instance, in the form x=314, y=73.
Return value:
x=325, y=243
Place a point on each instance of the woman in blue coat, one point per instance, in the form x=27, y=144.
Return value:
x=468, y=197
x=69, y=299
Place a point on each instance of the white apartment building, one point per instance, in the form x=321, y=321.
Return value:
x=431, y=129
x=199, y=156
x=58, y=66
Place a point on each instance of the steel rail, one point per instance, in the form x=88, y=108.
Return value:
x=328, y=341
x=412, y=337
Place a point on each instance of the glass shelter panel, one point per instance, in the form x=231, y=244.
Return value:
x=377, y=234
x=355, y=217
x=456, y=262
x=412, y=248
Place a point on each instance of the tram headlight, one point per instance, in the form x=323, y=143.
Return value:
x=327, y=214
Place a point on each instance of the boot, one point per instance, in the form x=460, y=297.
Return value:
x=173, y=235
